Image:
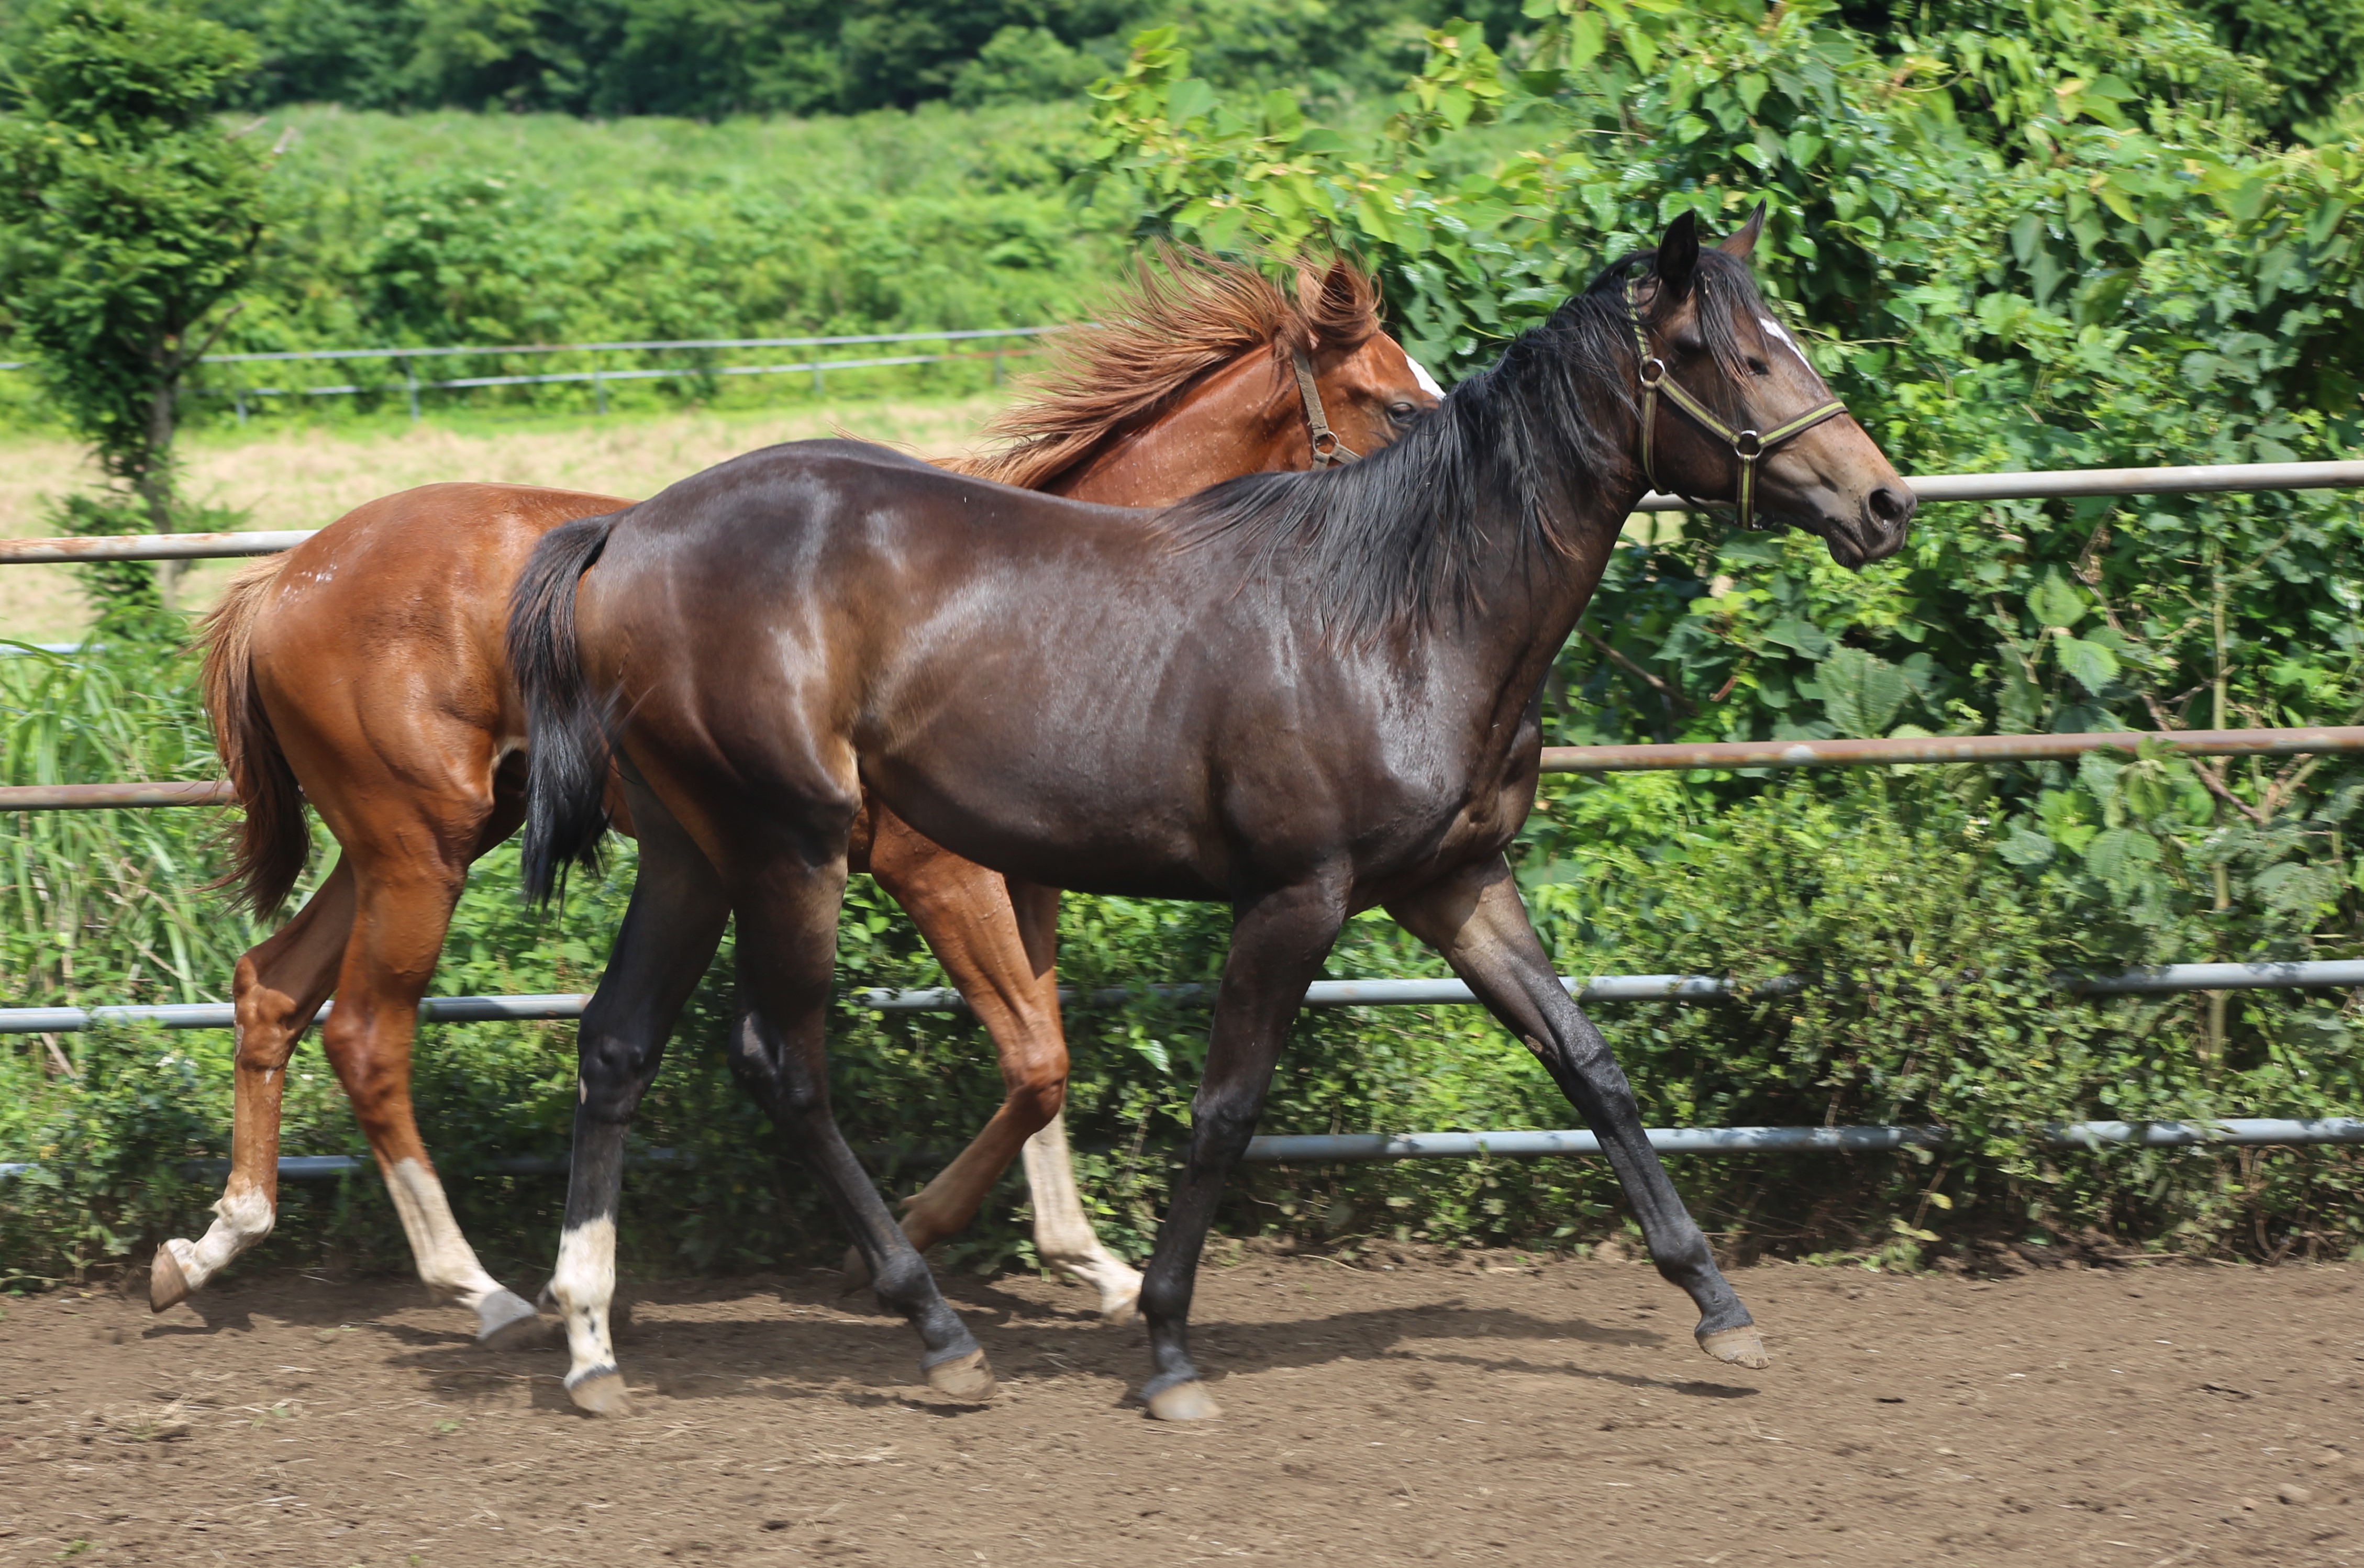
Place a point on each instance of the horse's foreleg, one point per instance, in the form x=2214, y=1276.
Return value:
x=998, y=942
x=1278, y=944
x=787, y=905
x=670, y=932
x=398, y=929
x=1477, y=921
x=277, y=988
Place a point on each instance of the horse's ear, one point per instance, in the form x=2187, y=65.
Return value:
x=1678, y=261
x=1742, y=241
x=1339, y=304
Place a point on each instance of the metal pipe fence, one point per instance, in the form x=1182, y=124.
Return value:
x=1930, y=487
x=599, y=375
x=1337, y=1149
x=2161, y=979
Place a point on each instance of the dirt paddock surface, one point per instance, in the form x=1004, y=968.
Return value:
x=1489, y=1412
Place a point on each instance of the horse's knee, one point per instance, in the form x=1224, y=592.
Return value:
x=1036, y=1093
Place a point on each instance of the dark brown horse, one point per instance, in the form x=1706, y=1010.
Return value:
x=1303, y=696
x=364, y=672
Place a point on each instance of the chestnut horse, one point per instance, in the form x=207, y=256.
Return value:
x=365, y=668
x=1302, y=695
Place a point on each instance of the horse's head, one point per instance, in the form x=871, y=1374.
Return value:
x=1732, y=411
x=1368, y=389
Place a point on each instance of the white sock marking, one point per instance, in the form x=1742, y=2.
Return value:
x=242, y=1218
x=584, y=1287
x=445, y=1260
x=1064, y=1238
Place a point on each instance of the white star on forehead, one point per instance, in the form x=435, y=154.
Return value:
x=1773, y=329
x=1427, y=381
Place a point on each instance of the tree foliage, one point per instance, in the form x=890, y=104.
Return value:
x=129, y=220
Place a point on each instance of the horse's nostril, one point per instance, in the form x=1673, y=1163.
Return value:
x=1891, y=503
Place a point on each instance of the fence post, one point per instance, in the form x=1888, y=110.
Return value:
x=598, y=388
x=818, y=388
x=238, y=399
x=411, y=384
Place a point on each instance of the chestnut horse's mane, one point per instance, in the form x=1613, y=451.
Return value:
x=1164, y=326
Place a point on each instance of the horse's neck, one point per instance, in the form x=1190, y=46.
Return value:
x=1235, y=419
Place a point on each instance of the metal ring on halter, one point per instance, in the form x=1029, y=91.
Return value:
x=1654, y=370
x=1328, y=450
x=1747, y=444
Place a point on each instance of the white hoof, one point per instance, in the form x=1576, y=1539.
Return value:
x=966, y=1379
x=1184, y=1402
x=1743, y=1346
x=600, y=1392
x=506, y=1322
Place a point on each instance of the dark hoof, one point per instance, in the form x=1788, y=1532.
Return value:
x=167, y=1285
x=1743, y=1346
x=1184, y=1402
x=965, y=1379
x=601, y=1394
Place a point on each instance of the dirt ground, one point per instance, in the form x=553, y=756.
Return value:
x=1493, y=1411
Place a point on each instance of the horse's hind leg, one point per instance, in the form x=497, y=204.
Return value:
x=403, y=912
x=997, y=943
x=1476, y=920
x=670, y=932
x=787, y=905
x=279, y=985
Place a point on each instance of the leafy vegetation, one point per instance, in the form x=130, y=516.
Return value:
x=131, y=220
x=2013, y=233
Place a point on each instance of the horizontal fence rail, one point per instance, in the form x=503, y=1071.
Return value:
x=1319, y=1149
x=1929, y=487
x=2294, y=975
x=1935, y=748
x=598, y=376
x=1680, y=757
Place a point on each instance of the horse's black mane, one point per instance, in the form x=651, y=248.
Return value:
x=1388, y=542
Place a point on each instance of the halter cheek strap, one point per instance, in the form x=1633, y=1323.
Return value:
x=1327, y=448
x=1748, y=446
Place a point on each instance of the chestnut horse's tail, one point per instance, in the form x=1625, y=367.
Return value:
x=273, y=842
x=570, y=743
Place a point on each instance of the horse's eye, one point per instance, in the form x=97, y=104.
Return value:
x=1400, y=412
x=1759, y=367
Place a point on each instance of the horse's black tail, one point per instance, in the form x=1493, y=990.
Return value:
x=571, y=743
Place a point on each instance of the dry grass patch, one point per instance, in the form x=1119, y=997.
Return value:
x=308, y=478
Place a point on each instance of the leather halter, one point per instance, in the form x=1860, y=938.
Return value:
x=1748, y=446
x=1327, y=448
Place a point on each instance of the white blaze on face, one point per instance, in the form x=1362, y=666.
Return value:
x=1773, y=330
x=1427, y=381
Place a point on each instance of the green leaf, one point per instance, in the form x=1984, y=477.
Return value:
x=1190, y=98
x=2055, y=602
x=1800, y=635
x=1861, y=692
x=2090, y=664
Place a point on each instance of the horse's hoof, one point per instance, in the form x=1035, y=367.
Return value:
x=1743, y=1346
x=601, y=1392
x=1123, y=1310
x=167, y=1285
x=856, y=1273
x=966, y=1379
x=509, y=1322
x=1184, y=1402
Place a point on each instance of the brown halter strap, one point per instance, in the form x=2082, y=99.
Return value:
x=1327, y=448
x=1748, y=446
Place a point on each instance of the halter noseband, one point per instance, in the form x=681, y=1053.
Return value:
x=1327, y=448
x=1748, y=446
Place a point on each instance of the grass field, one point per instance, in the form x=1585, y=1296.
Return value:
x=308, y=477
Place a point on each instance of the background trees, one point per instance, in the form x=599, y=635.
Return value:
x=131, y=217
